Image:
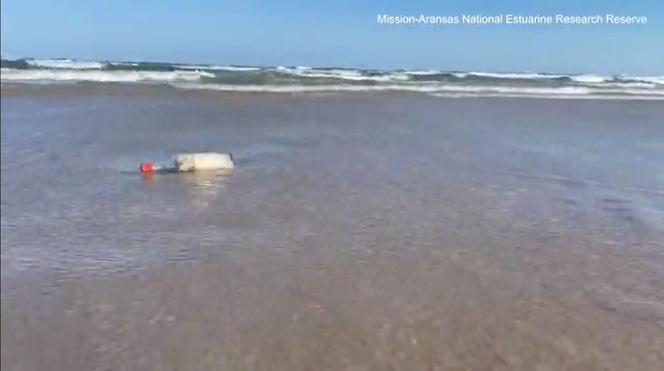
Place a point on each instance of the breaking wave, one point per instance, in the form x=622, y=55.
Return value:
x=304, y=79
x=65, y=64
x=27, y=76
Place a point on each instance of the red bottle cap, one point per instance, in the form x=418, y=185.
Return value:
x=146, y=167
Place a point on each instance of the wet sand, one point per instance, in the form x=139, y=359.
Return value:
x=358, y=232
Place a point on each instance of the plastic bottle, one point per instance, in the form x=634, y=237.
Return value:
x=191, y=162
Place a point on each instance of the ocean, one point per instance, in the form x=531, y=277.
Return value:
x=302, y=79
x=374, y=220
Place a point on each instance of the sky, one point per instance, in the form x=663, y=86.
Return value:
x=336, y=33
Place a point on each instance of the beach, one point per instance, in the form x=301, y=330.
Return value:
x=359, y=230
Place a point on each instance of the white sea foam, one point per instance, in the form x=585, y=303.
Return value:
x=191, y=67
x=39, y=75
x=304, y=79
x=423, y=72
x=430, y=88
x=639, y=91
x=133, y=64
x=215, y=67
x=628, y=85
x=568, y=92
x=284, y=68
x=304, y=88
x=516, y=75
x=235, y=68
x=65, y=64
x=342, y=74
x=436, y=89
x=547, y=96
x=589, y=78
x=651, y=79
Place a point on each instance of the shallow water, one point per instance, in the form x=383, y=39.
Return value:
x=358, y=231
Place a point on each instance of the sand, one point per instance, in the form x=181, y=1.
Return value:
x=357, y=232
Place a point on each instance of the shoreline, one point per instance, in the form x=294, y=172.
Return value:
x=9, y=89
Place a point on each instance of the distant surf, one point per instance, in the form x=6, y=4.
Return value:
x=303, y=79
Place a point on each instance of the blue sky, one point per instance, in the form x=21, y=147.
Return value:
x=335, y=33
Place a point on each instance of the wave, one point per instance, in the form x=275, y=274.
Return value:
x=501, y=75
x=436, y=90
x=305, y=79
x=342, y=74
x=216, y=68
x=16, y=75
x=593, y=79
x=548, y=96
x=424, y=72
x=649, y=79
x=627, y=85
x=127, y=64
x=582, y=78
x=302, y=88
x=69, y=64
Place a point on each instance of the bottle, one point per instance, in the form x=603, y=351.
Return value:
x=191, y=162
